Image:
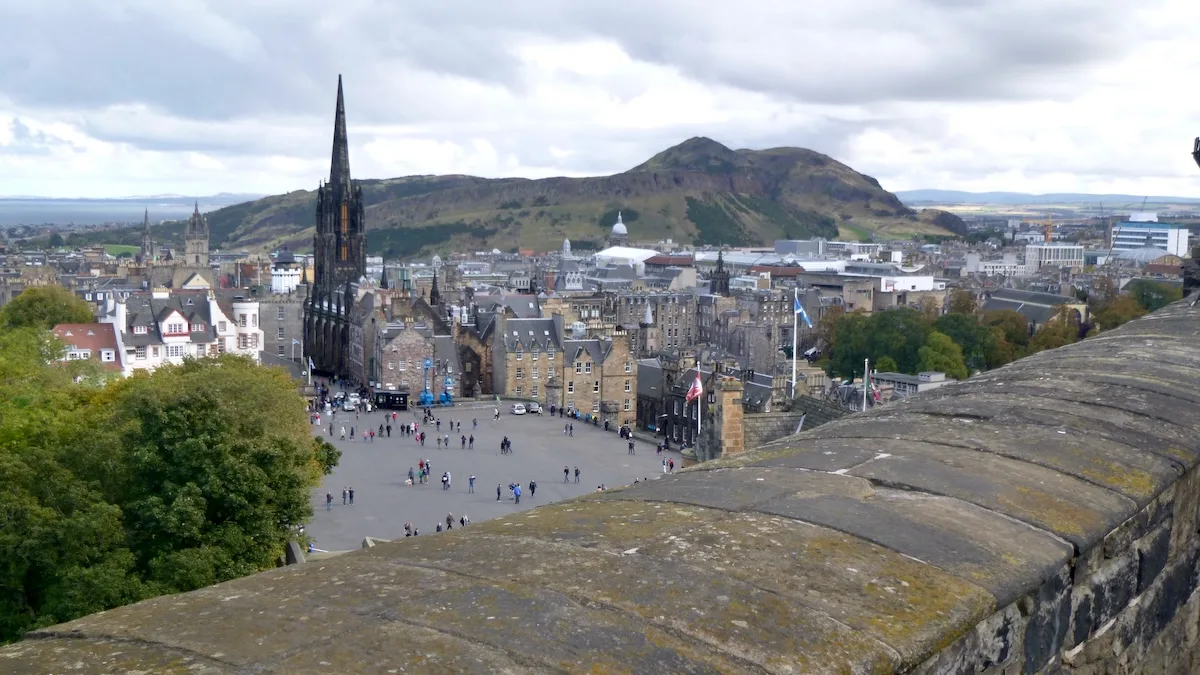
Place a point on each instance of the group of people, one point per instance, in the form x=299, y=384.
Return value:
x=463, y=521
x=347, y=498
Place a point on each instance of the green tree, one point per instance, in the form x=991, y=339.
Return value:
x=1153, y=295
x=55, y=241
x=1013, y=327
x=1061, y=330
x=962, y=301
x=974, y=338
x=1116, y=311
x=897, y=334
x=886, y=365
x=44, y=307
x=940, y=353
x=160, y=483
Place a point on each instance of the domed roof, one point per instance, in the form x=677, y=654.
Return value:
x=1146, y=254
x=437, y=260
x=619, y=227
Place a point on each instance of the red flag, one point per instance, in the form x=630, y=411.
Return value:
x=874, y=389
x=695, y=390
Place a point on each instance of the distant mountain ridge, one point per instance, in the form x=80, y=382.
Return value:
x=918, y=197
x=696, y=192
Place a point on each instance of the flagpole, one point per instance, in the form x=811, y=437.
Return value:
x=866, y=376
x=795, y=331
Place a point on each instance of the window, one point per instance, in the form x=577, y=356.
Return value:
x=676, y=407
x=139, y=330
x=242, y=320
x=391, y=365
x=518, y=352
x=579, y=368
x=595, y=406
x=279, y=332
x=154, y=352
x=197, y=327
x=403, y=364
x=533, y=392
x=535, y=353
x=403, y=382
x=628, y=368
x=520, y=373
x=571, y=387
x=242, y=341
x=596, y=387
x=174, y=351
x=520, y=391
x=587, y=367
x=222, y=326
x=281, y=312
x=108, y=356
x=176, y=328
x=626, y=405
x=535, y=373
x=254, y=320
x=140, y=352
x=627, y=390
x=280, y=350
x=199, y=351
x=254, y=341
x=550, y=354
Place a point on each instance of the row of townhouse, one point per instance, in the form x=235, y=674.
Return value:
x=147, y=329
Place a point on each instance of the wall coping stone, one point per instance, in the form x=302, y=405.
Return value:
x=886, y=541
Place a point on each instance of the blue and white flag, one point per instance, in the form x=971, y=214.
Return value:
x=295, y=341
x=799, y=309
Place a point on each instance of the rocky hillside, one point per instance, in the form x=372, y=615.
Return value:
x=699, y=191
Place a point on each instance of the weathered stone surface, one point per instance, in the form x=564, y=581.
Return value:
x=1074, y=510
x=1040, y=518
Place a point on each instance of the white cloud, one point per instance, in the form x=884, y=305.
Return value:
x=118, y=97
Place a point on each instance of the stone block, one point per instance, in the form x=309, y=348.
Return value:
x=1122, y=538
x=294, y=554
x=1152, y=555
x=1101, y=595
x=993, y=643
x=1186, y=512
x=1048, y=618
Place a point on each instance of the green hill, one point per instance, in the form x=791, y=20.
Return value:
x=697, y=192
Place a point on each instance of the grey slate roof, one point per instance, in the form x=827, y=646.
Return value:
x=529, y=333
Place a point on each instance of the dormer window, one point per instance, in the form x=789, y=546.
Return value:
x=197, y=327
x=176, y=328
x=139, y=330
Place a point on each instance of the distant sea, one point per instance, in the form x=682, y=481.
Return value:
x=39, y=211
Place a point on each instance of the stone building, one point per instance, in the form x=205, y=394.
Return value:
x=281, y=316
x=660, y=320
x=404, y=347
x=339, y=259
x=600, y=376
x=195, y=240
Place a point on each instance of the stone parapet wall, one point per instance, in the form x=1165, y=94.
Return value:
x=1039, y=518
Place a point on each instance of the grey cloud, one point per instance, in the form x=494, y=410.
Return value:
x=26, y=141
x=244, y=59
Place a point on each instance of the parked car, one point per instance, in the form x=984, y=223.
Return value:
x=533, y=408
x=518, y=409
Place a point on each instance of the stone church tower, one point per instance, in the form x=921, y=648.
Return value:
x=195, y=240
x=340, y=257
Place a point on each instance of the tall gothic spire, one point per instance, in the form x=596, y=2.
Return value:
x=435, y=297
x=339, y=169
x=146, y=222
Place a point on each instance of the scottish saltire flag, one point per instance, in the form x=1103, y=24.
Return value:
x=799, y=309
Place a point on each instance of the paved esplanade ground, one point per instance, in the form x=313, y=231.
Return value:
x=377, y=471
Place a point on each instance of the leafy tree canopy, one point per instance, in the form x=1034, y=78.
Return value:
x=940, y=353
x=115, y=491
x=44, y=307
x=1153, y=295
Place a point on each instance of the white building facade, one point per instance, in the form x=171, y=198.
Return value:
x=163, y=326
x=1170, y=237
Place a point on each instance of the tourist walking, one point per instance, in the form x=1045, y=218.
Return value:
x=345, y=495
x=566, y=474
x=351, y=495
x=329, y=501
x=532, y=488
x=497, y=492
x=517, y=494
x=576, y=474
x=471, y=484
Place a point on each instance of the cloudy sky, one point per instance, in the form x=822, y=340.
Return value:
x=108, y=98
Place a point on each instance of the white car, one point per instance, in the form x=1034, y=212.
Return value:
x=348, y=407
x=354, y=398
x=518, y=409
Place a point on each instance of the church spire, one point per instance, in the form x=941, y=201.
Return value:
x=435, y=296
x=339, y=169
x=146, y=222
